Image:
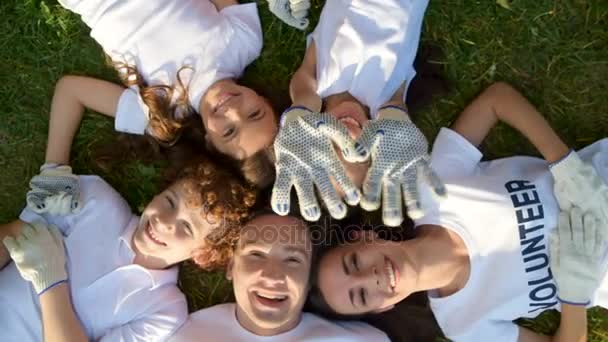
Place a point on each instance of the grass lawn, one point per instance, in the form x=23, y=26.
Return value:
x=554, y=51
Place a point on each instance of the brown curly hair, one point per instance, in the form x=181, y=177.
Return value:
x=225, y=202
x=167, y=118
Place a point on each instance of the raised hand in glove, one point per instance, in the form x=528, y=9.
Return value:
x=577, y=247
x=305, y=157
x=55, y=191
x=291, y=12
x=578, y=184
x=400, y=162
x=39, y=255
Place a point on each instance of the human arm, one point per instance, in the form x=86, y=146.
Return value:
x=55, y=190
x=72, y=95
x=501, y=102
x=303, y=84
x=221, y=4
x=59, y=321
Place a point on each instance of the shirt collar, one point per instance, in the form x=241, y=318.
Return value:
x=158, y=277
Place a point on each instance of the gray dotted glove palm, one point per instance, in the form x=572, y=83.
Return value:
x=577, y=247
x=305, y=157
x=578, y=184
x=400, y=162
x=55, y=191
x=291, y=12
x=39, y=255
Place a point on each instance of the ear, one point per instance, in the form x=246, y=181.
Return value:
x=381, y=310
x=229, y=269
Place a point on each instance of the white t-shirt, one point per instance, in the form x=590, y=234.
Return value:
x=219, y=324
x=503, y=210
x=367, y=47
x=114, y=299
x=161, y=36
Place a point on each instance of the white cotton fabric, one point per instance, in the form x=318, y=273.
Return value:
x=219, y=324
x=159, y=37
x=367, y=48
x=503, y=210
x=114, y=299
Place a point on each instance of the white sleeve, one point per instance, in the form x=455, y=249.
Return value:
x=495, y=331
x=453, y=155
x=246, y=42
x=132, y=115
x=166, y=315
x=98, y=200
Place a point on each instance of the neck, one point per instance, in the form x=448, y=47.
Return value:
x=245, y=322
x=440, y=260
x=334, y=100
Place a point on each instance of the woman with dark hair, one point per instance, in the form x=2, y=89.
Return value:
x=497, y=248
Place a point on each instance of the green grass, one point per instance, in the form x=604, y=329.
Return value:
x=554, y=51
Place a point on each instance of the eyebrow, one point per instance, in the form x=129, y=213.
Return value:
x=297, y=250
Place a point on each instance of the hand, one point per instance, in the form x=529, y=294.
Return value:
x=291, y=12
x=577, y=247
x=399, y=161
x=578, y=184
x=39, y=255
x=55, y=190
x=305, y=157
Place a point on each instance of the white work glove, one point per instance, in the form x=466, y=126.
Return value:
x=291, y=12
x=400, y=161
x=305, y=157
x=55, y=191
x=578, y=184
x=577, y=247
x=39, y=255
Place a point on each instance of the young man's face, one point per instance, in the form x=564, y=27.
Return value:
x=269, y=271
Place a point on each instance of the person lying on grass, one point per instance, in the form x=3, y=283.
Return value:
x=178, y=60
x=357, y=69
x=105, y=274
x=269, y=270
x=514, y=237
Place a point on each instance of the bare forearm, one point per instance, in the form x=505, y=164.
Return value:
x=59, y=320
x=302, y=92
x=500, y=102
x=72, y=95
x=573, y=326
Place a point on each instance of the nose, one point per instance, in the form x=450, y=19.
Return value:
x=272, y=273
x=164, y=222
x=368, y=278
x=234, y=111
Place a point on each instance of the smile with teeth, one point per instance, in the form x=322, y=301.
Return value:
x=390, y=270
x=152, y=236
x=348, y=121
x=274, y=297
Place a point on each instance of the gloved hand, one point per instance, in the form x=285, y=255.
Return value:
x=55, y=190
x=400, y=161
x=305, y=157
x=577, y=247
x=291, y=12
x=39, y=255
x=578, y=184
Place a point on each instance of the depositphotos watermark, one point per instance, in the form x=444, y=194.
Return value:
x=325, y=233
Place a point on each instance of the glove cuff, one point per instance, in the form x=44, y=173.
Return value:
x=293, y=113
x=566, y=165
x=577, y=303
x=51, y=286
x=391, y=112
x=49, y=277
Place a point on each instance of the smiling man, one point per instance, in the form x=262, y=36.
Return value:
x=270, y=272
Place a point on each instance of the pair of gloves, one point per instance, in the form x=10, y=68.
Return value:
x=39, y=255
x=305, y=157
x=578, y=245
x=291, y=12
